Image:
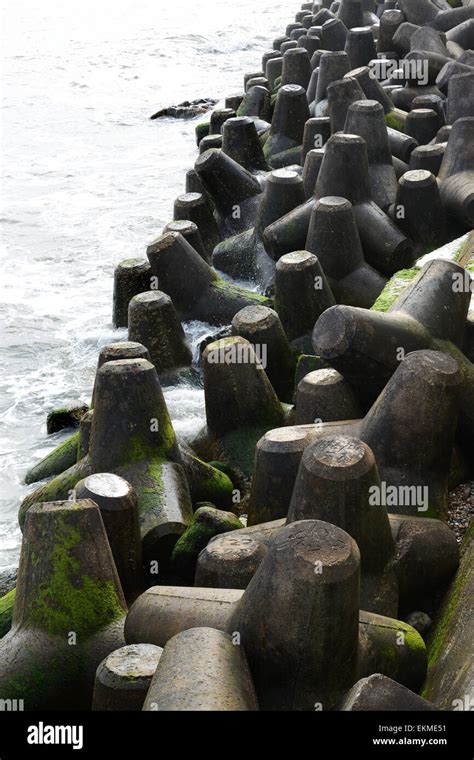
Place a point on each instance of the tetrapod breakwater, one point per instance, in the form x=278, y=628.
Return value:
x=299, y=552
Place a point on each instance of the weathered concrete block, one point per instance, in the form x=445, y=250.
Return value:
x=124, y=677
x=201, y=669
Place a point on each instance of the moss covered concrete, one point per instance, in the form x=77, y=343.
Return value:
x=207, y=522
x=394, y=288
x=450, y=648
x=68, y=599
x=6, y=611
x=58, y=489
x=235, y=291
x=58, y=460
x=394, y=121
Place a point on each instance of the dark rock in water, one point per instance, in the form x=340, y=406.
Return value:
x=68, y=416
x=188, y=109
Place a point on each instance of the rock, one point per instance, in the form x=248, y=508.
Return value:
x=186, y=110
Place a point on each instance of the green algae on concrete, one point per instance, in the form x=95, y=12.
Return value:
x=6, y=611
x=394, y=121
x=207, y=522
x=58, y=460
x=207, y=482
x=202, y=130
x=67, y=598
x=450, y=681
x=68, y=416
x=61, y=487
x=393, y=648
x=394, y=288
x=236, y=291
x=463, y=255
x=307, y=363
x=67, y=577
x=69, y=608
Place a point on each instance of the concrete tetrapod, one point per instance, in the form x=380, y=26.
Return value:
x=334, y=238
x=289, y=117
x=229, y=562
x=360, y=46
x=241, y=403
x=201, y=669
x=302, y=292
x=262, y=327
x=154, y=322
x=341, y=94
x=298, y=656
x=456, y=175
x=197, y=206
x=70, y=451
x=373, y=89
x=232, y=188
x=277, y=459
x=243, y=256
x=450, y=681
x=460, y=96
x=333, y=65
x=138, y=444
x=207, y=522
x=240, y=141
x=379, y=693
x=413, y=460
x=366, y=118
x=324, y=396
x=131, y=277
x=296, y=67
x=124, y=677
x=418, y=209
x=334, y=483
x=312, y=165
x=201, y=293
x=367, y=346
x=190, y=231
x=333, y=34
x=345, y=172
x=69, y=608
x=118, y=506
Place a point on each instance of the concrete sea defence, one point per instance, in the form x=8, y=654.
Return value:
x=295, y=554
